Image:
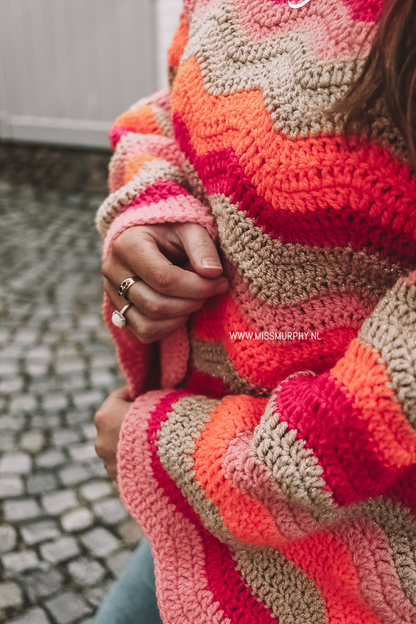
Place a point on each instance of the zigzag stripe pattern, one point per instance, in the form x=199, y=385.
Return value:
x=278, y=483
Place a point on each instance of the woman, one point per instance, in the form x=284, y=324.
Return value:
x=268, y=446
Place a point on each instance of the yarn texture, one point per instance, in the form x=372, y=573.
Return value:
x=273, y=468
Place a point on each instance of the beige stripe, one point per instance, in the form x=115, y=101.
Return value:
x=288, y=274
x=294, y=468
x=391, y=331
x=176, y=445
x=297, y=88
x=290, y=594
x=118, y=201
x=211, y=358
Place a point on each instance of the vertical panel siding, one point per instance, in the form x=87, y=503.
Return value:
x=70, y=63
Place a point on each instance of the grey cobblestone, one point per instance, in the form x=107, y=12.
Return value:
x=41, y=483
x=23, y=509
x=11, y=486
x=86, y=571
x=40, y=531
x=68, y=608
x=57, y=364
x=7, y=538
x=18, y=562
x=58, y=502
x=77, y=520
x=10, y=595
x=61, y=550
x=34, y=616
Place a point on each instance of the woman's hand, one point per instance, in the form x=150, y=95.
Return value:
x=108, y=421
x=166, y=293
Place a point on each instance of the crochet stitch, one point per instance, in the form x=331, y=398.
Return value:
x=274, y=478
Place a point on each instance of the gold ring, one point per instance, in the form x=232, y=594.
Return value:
x=125, y=285
x=118, y=319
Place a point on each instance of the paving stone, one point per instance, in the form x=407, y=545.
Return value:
x=34, y=616
x=26, y=336
x=37, y=532
x=95, y=490
x=60, y=550
x=95, y=595
x=77, y=520
x=73, y=474
x=7, y=538
x=68, y=607
x=100, y=542
x=88, y=399
x=130, y=532
x=89, y=431
x=10, y=595
x=18, y=562
x=74, y=383
x=19, y=463
x=82, y=452
x=32, y=441
x=110, y=511
x=103, y=379
x=23, y=403
x=46, y=422
x=117, y=561
x=55, y=402
x=23, y=509
x=63, y=437
x=39, y=353
x=43, y=583
x=14, y=423
x=58, y=502
x=51, y=459
x=86, y=571
x=11, y=486
x=97, y=468
x=77, y=417
x=66, y=367
x=41, y=483
x=7, y=441
x=13, y=384
x=8, y=369
x=36, y=368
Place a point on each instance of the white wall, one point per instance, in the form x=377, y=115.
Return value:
x=69, y=67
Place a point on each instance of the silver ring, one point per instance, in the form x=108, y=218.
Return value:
x=118, y=319
x=125, y=285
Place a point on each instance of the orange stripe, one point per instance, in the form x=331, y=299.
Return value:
x=303, y=175
x=213, y=324
x=364, y=381
x=135, y=163
x=179, y=41
x=142, y=120
x=322, y=556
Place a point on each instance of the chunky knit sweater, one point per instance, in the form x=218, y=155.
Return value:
x=272, y=465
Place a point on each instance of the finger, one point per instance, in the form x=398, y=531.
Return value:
x=145, y=329
x=148, y=263
x=152, y=304
x=201, y=251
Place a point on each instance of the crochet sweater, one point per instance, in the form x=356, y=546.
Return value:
x=272, y=465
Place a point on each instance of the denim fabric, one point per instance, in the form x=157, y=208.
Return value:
x=132, y=597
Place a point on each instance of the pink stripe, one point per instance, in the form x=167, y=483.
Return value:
x=161, y=190
x=158, y=146
x=178, y=550
x=379, y=582
x=116, y=133
x=180, y=209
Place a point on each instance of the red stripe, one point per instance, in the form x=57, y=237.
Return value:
x=322, y=414
x=159, y=191
x=222, y=173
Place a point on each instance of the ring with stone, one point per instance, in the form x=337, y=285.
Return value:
x=125, y=285
x=118, y=319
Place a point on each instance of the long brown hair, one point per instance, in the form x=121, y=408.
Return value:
x=389, y=74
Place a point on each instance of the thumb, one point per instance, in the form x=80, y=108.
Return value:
x=201, y=251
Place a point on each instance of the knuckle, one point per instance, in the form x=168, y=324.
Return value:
x=106, y=268
x=153, y=310
x=162, y=279
x=100, y=419
x=146, y=333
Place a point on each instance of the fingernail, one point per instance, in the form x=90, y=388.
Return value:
x=222, y=288
x=210, y=263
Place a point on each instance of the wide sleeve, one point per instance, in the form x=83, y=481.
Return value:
x=151, y=181
x=268, y=470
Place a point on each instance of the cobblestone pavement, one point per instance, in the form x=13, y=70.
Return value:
x=64, y=533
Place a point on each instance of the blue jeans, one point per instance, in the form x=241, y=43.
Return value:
x=132, y=597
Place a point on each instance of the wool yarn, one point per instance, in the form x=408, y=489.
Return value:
x=274, y=468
